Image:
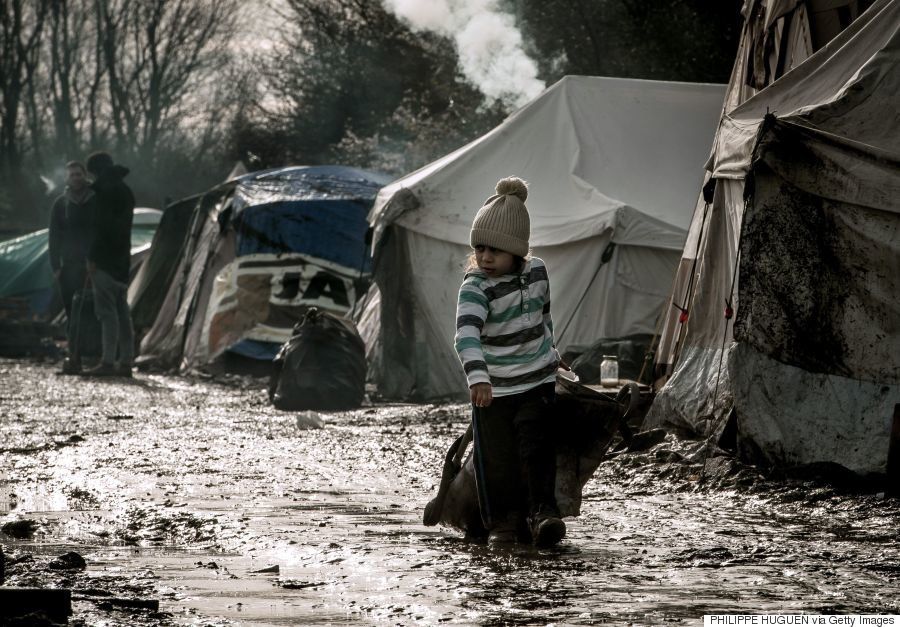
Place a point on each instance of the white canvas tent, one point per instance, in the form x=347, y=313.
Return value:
x=609, y=161
x=810, y=260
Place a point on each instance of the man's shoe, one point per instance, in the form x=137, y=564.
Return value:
x=101, y=370
x=547, y=530
x=71, y=366
x=124, y=370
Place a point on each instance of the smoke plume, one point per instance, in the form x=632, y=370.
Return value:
x=489, y=44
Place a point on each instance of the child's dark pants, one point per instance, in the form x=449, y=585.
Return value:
x=515, y=459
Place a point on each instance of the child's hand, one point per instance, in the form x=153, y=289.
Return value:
x=482, y=394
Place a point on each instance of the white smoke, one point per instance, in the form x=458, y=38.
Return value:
x=489, y=44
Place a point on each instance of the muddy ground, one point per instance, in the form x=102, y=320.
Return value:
x=201, y=496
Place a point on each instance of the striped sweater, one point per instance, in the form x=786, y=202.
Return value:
x=504, y=333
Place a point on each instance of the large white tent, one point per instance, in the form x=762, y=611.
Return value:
x=801, y=238
x=613, y=167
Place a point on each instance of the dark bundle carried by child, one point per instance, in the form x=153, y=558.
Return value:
x=585, y=423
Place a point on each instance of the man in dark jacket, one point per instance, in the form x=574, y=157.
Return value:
x=108, y=265
x=71, y=229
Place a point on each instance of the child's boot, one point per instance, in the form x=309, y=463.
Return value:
x=546, y=529
x=504, y=532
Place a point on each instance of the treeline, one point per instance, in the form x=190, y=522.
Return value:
x=178, y=91
x=143, y=79
x=673, y=40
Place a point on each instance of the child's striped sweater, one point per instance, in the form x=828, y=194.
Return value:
x=504, y=333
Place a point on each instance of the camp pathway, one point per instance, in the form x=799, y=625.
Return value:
x=192, y=492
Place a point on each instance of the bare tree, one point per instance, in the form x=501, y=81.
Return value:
x=142, y=78
x=69, y=63
x=159, y=58
x=21, y=28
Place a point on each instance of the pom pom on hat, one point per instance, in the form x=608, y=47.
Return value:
x=513, y=186
x=503, y=222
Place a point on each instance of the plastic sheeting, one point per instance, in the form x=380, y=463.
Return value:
x=25, y=270
x=163, y=343
x=789, y=416
x=322, y=366
x=302, y=184
x=148, y=287
x=822, y=90
x=819, y=281
x=831, y=90
x=259, y=252
x=332, y=230
x=259, y=297
x=25, y=262
x=816, y=291
x=320, y=211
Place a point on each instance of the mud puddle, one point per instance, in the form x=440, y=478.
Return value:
x=202, y=497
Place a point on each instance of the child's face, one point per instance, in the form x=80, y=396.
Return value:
x=494, y=262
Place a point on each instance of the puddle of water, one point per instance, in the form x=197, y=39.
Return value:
x=205, y=473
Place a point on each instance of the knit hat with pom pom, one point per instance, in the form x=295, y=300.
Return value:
x=502, y=222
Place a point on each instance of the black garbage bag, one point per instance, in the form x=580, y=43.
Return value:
x=322, y=366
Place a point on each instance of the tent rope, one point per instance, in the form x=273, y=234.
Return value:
x=709, y=189
x=689, y=289
x=605, y=257
x=749, y=194
x=649, y=354
x=729, y=314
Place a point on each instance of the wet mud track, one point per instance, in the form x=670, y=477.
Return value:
x=201, y=496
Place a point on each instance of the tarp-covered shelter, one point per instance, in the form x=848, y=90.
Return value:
x=149, y=286
x=800, y=237
x=255, y=253
x=613, y=166
x=25, y=263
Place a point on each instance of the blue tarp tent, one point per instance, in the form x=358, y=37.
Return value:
x=260, y=250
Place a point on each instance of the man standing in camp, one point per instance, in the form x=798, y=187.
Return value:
x=108, y=264
x=71, y=229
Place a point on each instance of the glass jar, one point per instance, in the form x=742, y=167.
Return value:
x=5, y=498
x=609, y=371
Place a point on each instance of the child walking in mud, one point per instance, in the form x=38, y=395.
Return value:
x=504, y=338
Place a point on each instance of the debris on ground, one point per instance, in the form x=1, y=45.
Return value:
x=180, y=507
